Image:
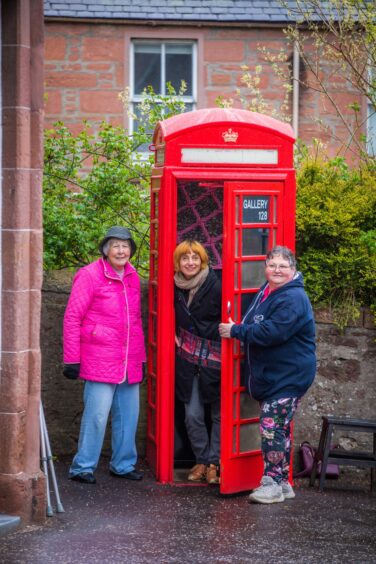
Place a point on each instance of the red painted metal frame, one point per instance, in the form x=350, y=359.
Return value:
x=240, y=471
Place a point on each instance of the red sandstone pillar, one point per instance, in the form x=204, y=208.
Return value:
x=21, y=481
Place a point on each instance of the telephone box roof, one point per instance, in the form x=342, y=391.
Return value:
x=191, y=120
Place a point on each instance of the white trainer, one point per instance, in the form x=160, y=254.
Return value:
x=288, y=492
x=268, y=492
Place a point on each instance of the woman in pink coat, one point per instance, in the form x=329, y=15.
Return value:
x=104, y=345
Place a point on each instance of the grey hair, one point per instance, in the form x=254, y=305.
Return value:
x=285, y=253
x=108, y=244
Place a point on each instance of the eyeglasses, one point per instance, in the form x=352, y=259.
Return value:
x=282, y=267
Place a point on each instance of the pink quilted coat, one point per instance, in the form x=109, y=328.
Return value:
x=102, y=324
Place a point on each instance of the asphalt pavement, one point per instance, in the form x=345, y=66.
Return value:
x=119, y=521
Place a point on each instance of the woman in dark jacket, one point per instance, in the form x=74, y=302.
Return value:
x=197, y=374
x=278, y=332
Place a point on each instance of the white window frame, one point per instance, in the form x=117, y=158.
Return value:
x=136, y=98
x=371, y=132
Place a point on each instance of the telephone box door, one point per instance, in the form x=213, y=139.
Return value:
x=252, y=226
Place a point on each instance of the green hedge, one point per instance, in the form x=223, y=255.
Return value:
x=336, y=235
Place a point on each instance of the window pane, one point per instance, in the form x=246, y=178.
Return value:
x=236, y=268
x=237, y=254
x=179, y=66
x=249, y=437
x=235, y=406
x=253, y=274
x=237, y=320
x=147, y=67
x=255, y=241
x=236, y=378
x=249, y=407
x=247, y=300
x=371, y=145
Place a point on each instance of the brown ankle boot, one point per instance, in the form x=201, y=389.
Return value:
x=197, y=473
x=212, y=474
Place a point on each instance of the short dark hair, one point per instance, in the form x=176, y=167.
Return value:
x=285, y=253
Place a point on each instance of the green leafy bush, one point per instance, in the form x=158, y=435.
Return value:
x=336, y=244
x=91, y=181
x=96, y=179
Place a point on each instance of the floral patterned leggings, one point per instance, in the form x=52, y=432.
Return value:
x=275, y=429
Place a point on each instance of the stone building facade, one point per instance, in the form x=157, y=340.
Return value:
x=22, y=487
x=90, y=59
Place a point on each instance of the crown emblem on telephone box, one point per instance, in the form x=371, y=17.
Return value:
x=230, y=136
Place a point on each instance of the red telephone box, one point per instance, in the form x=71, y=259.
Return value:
x=224, y=177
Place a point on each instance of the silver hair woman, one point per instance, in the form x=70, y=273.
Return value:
x=278, y=332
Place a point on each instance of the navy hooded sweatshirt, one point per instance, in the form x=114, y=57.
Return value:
x=279, y=339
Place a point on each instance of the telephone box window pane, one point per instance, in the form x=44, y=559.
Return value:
x=237, y=209
x=275, y=210
x=253, y=274
x=154, y=298
x=237, y=254
x=234, y=435
x=152, y=422
x=154, y=266
x=236, y=309
x=249, y=437
x=247, y=299
x=249, y=407
x=179, y=66
x=236, y=277
x=235, y=372
x=154, y=325
x=147, y=67
x=152, y=390
x=155, y=183
x=156, y=205
x=255, y=241
x=256, y=209
x=235, y=407
x=155, y=228
x=274, y=238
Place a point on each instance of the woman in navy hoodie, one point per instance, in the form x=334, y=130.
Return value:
x=278, y=332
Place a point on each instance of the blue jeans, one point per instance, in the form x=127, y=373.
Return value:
x=99, y=399
x=206, y=450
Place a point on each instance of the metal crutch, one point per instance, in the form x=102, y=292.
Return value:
x=49, y=510
x=59, y=505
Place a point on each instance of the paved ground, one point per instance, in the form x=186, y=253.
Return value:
x=117, y=521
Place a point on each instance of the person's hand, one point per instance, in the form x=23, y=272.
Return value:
x=71, y=371
x=225, y=329
x=177, y=341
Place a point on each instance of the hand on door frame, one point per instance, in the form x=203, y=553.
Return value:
x=225, y=329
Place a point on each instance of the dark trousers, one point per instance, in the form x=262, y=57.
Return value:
x=205, y=448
